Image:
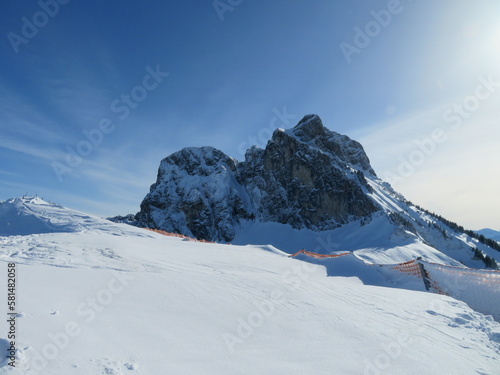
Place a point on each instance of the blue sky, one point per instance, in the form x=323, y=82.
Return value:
x=415, y=81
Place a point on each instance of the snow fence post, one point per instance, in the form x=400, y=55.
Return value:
x=425, y=276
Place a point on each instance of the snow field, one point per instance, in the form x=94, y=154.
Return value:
x=214, y=309
x=102, y=298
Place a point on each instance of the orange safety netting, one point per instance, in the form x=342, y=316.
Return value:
x=410, y=268
x=436, y=287
x=432, y=274
x=177, y=235
x=474, y=276
x=318, y=256
x=492, y=274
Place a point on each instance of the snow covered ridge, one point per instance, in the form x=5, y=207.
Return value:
x=115, y=299
x=490, y=233
x=33, y=215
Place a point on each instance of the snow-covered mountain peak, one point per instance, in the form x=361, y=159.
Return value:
x=32, y=215
x=81, y=271
x=308, y=128
x=306, y=177
x=490, y=233
x=28, y=200
x=198, y=161
x=309, y=185
x=346, y=152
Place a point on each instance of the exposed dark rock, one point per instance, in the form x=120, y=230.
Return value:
x=307, y=177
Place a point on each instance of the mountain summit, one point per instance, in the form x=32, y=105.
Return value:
x=308, y=188
x=310, y=130
x=306, y=177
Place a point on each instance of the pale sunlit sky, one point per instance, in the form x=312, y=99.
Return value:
x=416, y=82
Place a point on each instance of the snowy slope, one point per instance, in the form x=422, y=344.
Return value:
x=490, y=233
x=399, y=233
x=31, y=215
x=107, y=298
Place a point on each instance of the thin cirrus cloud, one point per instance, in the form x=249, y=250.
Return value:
x=30, y=149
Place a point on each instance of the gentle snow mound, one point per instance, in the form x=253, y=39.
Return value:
x=32, y=215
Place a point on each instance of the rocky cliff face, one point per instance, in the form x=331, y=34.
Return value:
x=307, y=177
x=196, y=193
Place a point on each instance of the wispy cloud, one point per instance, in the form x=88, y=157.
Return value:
x=9, y=174
x=30, y=149
x=453, y=179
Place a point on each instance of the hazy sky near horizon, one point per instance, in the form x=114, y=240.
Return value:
x=94, y=94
